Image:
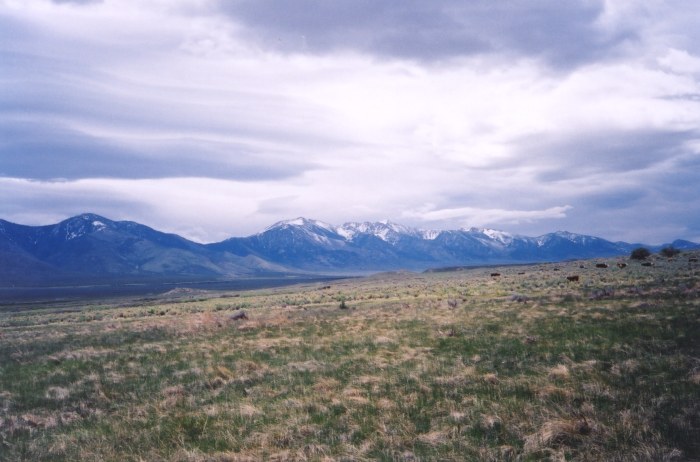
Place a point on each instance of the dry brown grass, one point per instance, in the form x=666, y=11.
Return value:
x=445, y=366
x=558, y=432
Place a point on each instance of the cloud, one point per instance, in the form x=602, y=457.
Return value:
x=226, y=116
x=471, y=216
x=563, y=35
x=44, y=150
x=600, y=154
x=202, y=209
x=680, y=61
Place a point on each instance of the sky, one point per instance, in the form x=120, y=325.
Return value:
x=217, y=118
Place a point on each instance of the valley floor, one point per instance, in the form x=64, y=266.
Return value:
x=512, y=363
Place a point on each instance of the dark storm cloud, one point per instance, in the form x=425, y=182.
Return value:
x=608, y=153
x=564, y=33
x=635, y=185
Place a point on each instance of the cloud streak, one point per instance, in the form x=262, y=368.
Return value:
x=468, y=215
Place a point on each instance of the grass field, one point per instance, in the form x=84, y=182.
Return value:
x=460, y=365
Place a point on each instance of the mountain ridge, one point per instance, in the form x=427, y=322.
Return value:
x=90, y=246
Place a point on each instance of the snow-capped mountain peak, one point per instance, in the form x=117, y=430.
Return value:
x=308, y=237
x=81, y=225
x=385, y=230
x=312, y=230
x=568, y=236
x=301, y=222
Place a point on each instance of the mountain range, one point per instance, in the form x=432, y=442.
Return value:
x=92, y=248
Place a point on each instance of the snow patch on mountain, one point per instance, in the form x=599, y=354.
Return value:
x=345, y=233
x=430, y=234
x=499, y=236
x=579, y=239
x=318, y=237
x=384, y=230
x=490, y=237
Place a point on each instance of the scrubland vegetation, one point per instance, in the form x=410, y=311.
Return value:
x=458, y=365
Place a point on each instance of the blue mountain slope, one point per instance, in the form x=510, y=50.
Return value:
x=90, y=246
x=316, y=246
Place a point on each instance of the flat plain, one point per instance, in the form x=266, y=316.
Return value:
x=507, y=363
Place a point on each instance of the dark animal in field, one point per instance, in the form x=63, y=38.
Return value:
x=693, y=260
x=494, y=275
x=572, y=278
x=647, y=263
x=238, y=316
x=452, y=303
x=621, y=265
x=601, y=265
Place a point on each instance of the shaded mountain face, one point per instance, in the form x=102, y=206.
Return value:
x=91, y=247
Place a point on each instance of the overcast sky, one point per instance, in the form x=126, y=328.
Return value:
x=217, y=118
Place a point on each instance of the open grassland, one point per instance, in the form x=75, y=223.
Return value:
x=444, y=366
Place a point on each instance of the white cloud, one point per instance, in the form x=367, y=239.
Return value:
x=471, y=216
x=680, y=61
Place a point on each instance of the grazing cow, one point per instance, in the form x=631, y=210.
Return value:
x=493, y=275
x=601, y=265
x=693, y=260
x=572, y=278
x=621, y=265
x=647, y=263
